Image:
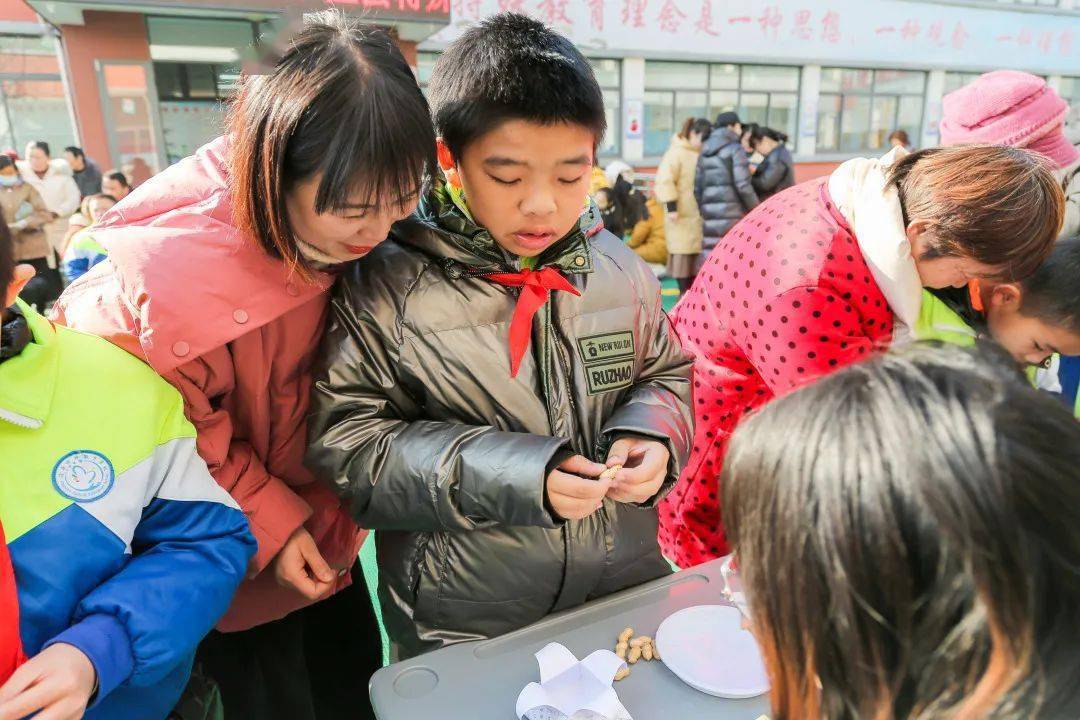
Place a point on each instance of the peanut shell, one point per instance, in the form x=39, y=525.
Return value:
x=609, y=474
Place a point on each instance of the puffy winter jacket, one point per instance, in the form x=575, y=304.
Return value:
x=722, y=185
x=787, y=297
x=83, y=252
x=675, y=184
x=11, y=652
x=647, y=239
x=122, y=543
x=26, y=216
x=419, y=425
x=775, y=173
x=240, y=355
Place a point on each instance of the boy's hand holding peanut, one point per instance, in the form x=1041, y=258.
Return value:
x=575, y=489
x=644, y=465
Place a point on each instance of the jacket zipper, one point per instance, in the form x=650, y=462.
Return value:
x=552, y=338
x=20, y=420
x=557, y=349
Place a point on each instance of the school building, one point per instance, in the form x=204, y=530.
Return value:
x=142, y=83
x=146, y=81
x=837, y=76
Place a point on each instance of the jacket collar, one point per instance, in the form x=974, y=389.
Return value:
x=191, y=281
x=719, y=139
x=682, y=143
x=14, y=334
x=872, y=211
x=439, y=228
x=28, y=381
x=55, y=170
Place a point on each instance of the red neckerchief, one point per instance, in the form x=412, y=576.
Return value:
x=11, y=654
x=536, y=289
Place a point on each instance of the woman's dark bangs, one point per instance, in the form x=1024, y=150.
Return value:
x=384, y=164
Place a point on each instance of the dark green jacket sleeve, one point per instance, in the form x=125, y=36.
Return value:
x=400, y=473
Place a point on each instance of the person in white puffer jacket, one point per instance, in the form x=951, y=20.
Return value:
x=54, y=181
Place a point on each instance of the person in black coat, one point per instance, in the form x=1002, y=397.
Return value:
x=722, y=187
x=777, y=171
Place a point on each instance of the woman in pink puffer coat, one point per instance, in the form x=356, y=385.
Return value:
x=825, y=273
x=217, y=277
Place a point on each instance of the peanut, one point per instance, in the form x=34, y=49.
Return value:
x=645, y=639
x=637, y=642
x=609, y=474
x=655, y=653
x=647, y=652
x=620, y=650
x=625, y=635
x=634, y=656
x=622, y=673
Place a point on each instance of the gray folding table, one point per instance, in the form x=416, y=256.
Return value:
x=481, y=680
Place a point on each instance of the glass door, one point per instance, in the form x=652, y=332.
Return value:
x=129, y=102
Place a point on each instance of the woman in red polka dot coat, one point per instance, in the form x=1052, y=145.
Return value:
x=825, y=273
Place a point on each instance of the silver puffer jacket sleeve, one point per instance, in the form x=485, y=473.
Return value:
x=658, y=406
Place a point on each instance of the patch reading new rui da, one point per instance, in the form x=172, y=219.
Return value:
x=608, y=360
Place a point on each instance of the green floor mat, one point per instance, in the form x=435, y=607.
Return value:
x=669, y=293
x=371, y=577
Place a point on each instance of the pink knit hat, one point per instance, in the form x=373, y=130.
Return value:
x=1007, y=107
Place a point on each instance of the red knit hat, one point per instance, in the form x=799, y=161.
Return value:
x=1007, y=107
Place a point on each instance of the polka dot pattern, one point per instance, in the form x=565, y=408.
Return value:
x=785, y=298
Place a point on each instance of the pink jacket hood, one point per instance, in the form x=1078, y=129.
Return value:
x=147, y=237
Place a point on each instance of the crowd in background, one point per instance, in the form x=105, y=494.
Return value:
x=714, y=173
x=48, y=203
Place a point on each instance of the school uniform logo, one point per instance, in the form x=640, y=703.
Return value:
x=83, y=476
x=608, y=360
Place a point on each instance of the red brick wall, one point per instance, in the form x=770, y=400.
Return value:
x=16, y=11
x=105, y=36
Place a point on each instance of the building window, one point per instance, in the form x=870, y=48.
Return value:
x=675, y=91
x=1069, y=88
x=859, y=109
x=957, y=80
x=197, y=40
x=196, y=70
x=425, y=63
x=192, y=99
x=609, y=75
x=33, y=104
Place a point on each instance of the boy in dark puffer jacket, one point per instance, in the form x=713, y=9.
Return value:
x=489, y=363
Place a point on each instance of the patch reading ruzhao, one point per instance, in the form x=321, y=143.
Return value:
x=609, y=361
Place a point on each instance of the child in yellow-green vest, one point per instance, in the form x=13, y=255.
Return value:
x=1034, y=320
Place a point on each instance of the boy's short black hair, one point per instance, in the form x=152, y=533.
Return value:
x=42, y=146
x=512, y=67
x=7, y=257
x=1052, y=294
x=75, y=151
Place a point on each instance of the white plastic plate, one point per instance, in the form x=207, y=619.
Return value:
x=706, y=647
